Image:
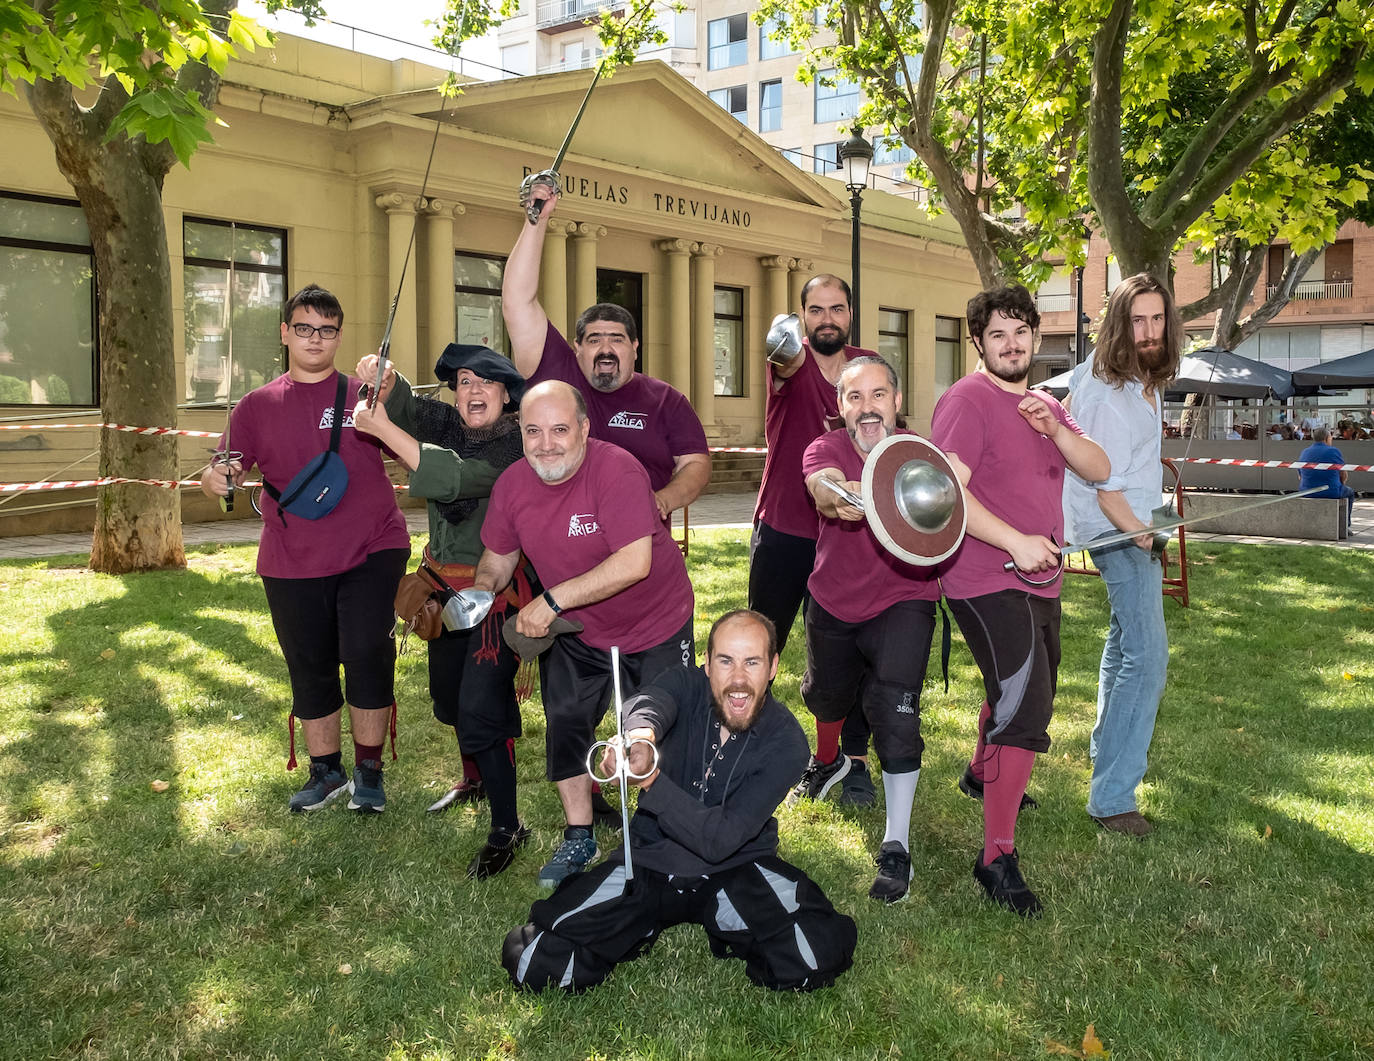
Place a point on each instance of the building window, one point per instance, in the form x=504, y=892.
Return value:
x=770, y=106
x=949, y=353
x=770, y=48
x=729, y=342
x=1056, y=294
x=727, y=42
x=891, y=151
x=235, y=287
x=836, y=98
x=734, y=99
x=827, y=158
x=893, y=345
x=796, y=156
x=477, y=301
x=515, y=60
x=47, y=303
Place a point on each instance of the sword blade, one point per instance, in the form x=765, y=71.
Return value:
x=1175, y=523
x=624, y=770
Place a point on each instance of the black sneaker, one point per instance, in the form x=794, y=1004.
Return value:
x=857, y=790
x=894, y=873
x=819, y=778
x=1001, y=879
x=604, y=814
x=326, y=784
x=969, y=785
x=366, y=786
x=498, y=852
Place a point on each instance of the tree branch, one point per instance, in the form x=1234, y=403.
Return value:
x=1293, y=273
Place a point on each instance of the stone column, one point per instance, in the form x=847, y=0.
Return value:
x=553, y=276
x=440, y=316
x=400, y=219
x=704, y=332
x=584, y=237
x=777, y=299
x=678, y=369
x=803, y=269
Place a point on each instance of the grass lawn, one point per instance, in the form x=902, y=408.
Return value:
x=204, y=921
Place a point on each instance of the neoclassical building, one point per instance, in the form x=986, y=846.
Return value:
x=671, y=208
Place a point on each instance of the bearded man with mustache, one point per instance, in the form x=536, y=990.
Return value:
x=704, y=836
x=1116, y=397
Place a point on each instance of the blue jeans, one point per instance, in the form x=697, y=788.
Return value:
x=1135, y=663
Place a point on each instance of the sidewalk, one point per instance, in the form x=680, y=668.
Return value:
x=713, y=510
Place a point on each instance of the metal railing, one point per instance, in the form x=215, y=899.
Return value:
x=559, y=12
x=1054, y=303
x=1311, y=290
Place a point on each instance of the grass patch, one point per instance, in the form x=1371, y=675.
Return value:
x=204, y=921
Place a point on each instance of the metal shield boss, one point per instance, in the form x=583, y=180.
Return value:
x=913, y=501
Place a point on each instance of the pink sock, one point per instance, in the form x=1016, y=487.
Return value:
x=471, y=771
x=979, y=749
x=828, y=740
x=1006, y=771
x=510, y=749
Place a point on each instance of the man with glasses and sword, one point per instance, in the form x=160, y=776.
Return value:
x=712, y=754
x=334, y=547
x=1010, y=449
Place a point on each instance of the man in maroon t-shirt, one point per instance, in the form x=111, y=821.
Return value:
x=641, y=414
x=869, y=619
x=782, y=552
x=582, y=512
x=1009, y=449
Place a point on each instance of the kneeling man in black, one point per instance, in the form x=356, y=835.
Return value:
x=704, y=839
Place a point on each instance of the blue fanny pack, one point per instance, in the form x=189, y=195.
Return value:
x=316, y=489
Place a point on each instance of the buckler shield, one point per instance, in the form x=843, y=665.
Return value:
x=913, y=501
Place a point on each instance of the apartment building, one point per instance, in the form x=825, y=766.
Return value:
x=716, y=45
x=1330, y=316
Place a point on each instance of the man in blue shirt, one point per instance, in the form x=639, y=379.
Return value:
x=1322, y=452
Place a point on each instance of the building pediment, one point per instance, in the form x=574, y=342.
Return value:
x=646, y=117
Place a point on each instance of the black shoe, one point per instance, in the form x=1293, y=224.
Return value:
x=819, y=778
x=498, y=852
x=1001, y=879
x=894, y=873
x=969, y=785
x=857, y=789
x=604, y=814
x=468, y=790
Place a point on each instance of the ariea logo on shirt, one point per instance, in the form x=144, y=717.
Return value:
x=627, y=419
x=327, y=418
x=581, y=524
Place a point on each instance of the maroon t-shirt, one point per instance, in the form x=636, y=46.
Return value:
x=792, y=419
x=855, y=578
x=281, y=427
x=1016, y=472
x=566, y=529
x=646, y=416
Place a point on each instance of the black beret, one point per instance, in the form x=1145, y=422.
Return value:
x=484, y=362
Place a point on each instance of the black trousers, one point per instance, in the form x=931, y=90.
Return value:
x=779, y=566
x=767, y=913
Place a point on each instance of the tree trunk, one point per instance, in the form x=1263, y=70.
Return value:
x=119, y=184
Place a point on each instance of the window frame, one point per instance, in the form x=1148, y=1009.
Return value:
x=737, y=368
x=728, y=47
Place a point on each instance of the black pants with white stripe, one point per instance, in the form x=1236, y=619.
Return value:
x=767, y=913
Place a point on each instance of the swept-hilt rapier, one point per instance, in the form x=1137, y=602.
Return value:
x=620, y=750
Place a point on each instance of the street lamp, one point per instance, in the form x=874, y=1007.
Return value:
x=855, y=154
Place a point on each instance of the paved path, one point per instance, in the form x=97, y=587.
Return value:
x=713, y=510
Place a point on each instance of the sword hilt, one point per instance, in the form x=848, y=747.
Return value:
x=550, y=179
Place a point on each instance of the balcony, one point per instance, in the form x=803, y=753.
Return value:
x=1054, y=303
x=553, y=15
x=1311, y=290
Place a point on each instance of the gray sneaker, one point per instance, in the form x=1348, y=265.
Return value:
x=574, y=855
x=366, y=786
x=857, y=790
x=325, y=785
x=819, y=778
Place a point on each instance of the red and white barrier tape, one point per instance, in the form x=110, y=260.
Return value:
x=115, y=427
x=1236, y=462
x=739, y=449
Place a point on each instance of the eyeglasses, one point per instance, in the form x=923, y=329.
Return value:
x=326, y=331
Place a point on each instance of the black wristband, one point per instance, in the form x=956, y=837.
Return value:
x=548, y=599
